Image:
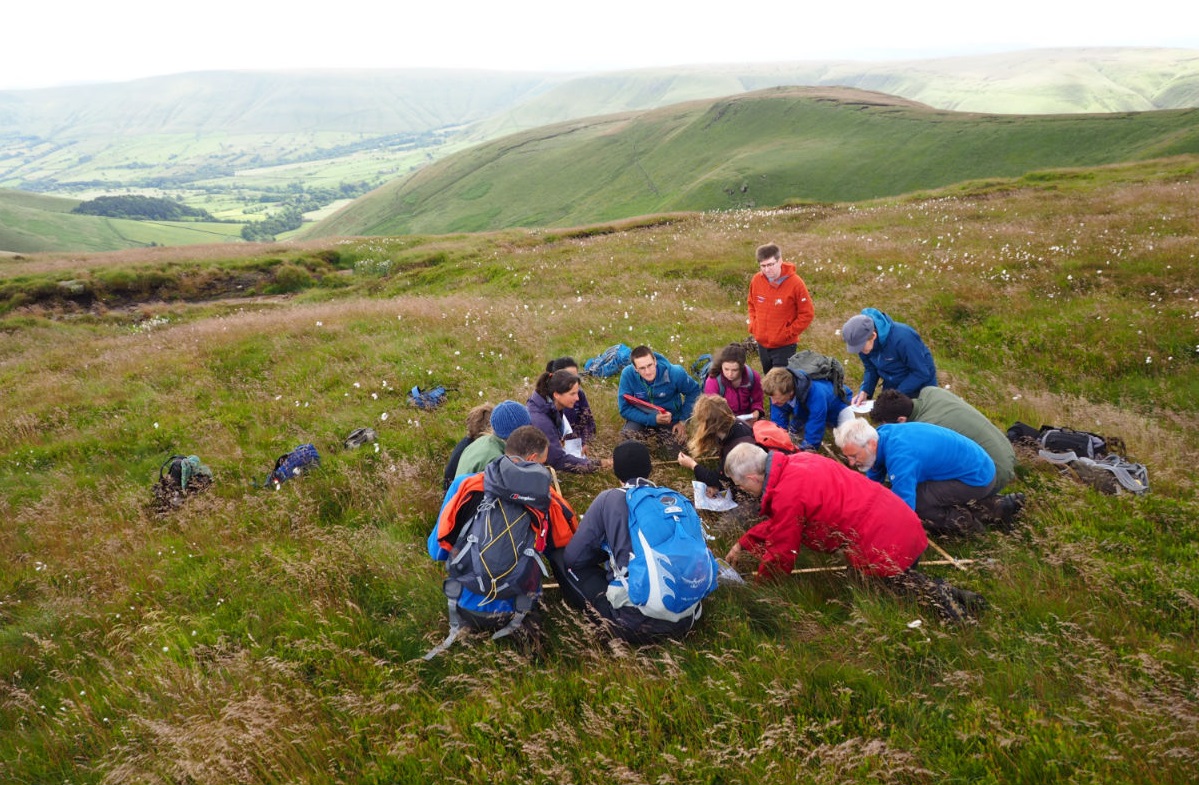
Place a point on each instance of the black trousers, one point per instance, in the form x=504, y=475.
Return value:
x=627, y=623
x=776, y=357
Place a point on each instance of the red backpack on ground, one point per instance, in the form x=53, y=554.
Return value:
x=770, y=436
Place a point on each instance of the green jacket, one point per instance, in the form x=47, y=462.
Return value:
x=479, y=453
x=939, y=406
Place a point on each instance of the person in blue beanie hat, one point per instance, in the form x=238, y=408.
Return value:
x=506, y=417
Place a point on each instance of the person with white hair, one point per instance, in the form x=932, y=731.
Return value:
x=946, y=478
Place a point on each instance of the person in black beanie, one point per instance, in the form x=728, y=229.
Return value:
x=602, y=545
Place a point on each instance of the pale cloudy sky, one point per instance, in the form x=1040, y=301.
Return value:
x=52, y=43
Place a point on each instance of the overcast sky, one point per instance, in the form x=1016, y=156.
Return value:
x=47, y=43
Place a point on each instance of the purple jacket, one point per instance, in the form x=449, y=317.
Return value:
x=548, y=418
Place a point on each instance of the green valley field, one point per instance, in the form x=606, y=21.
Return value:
x=275, y=636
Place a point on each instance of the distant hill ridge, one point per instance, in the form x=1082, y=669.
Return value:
x=750, y=150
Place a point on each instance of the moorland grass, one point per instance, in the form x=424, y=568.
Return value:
x=269, y=636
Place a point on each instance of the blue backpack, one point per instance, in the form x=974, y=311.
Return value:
x=427, y=399
x=701, y=367
x=610, y=362
x=293, y=464
x=671, y=568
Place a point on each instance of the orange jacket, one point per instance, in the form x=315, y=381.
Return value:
x=779, y=312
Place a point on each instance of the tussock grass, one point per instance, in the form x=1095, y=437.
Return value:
x=267, y=636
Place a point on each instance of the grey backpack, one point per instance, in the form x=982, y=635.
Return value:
x=818, y=367
x=497, y=550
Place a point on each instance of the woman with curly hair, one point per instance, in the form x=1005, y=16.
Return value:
x=715, y=430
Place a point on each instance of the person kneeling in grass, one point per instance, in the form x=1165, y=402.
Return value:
x=810, y=501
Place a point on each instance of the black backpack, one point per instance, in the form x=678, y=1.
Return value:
x=179, y=477
x=817, y=367
x=497, y=549
x=1083, y=444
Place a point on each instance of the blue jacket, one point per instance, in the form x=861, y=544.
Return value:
x=910, y=453
x=819, y=410
x=898, y=357
x=672, y=389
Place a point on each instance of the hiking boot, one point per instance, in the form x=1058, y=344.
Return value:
x=958, y=522
x=1007, y=509
x=941, y=596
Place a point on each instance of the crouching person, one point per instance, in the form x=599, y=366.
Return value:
x=500, y=531
x=810, y=501
x=639, y=557
x=946, y=478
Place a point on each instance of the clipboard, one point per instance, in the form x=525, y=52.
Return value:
x=653, y=407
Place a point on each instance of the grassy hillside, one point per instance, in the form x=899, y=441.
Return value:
x=755, y=149
x=260, y=636
x=233, y=143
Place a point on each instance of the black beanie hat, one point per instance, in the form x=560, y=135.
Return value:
x=631, y=460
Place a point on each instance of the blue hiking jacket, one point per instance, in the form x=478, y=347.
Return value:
x=910, y=453
x=820, y=409
x=672, y=388
x=899, y=357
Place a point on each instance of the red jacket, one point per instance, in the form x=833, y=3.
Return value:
x=779, y=313
x=816, y=502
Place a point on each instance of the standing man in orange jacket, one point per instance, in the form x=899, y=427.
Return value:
x=780, y=308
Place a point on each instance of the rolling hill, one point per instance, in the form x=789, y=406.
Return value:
x=1043, y=81
x=238, y=143
x=751, y=150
